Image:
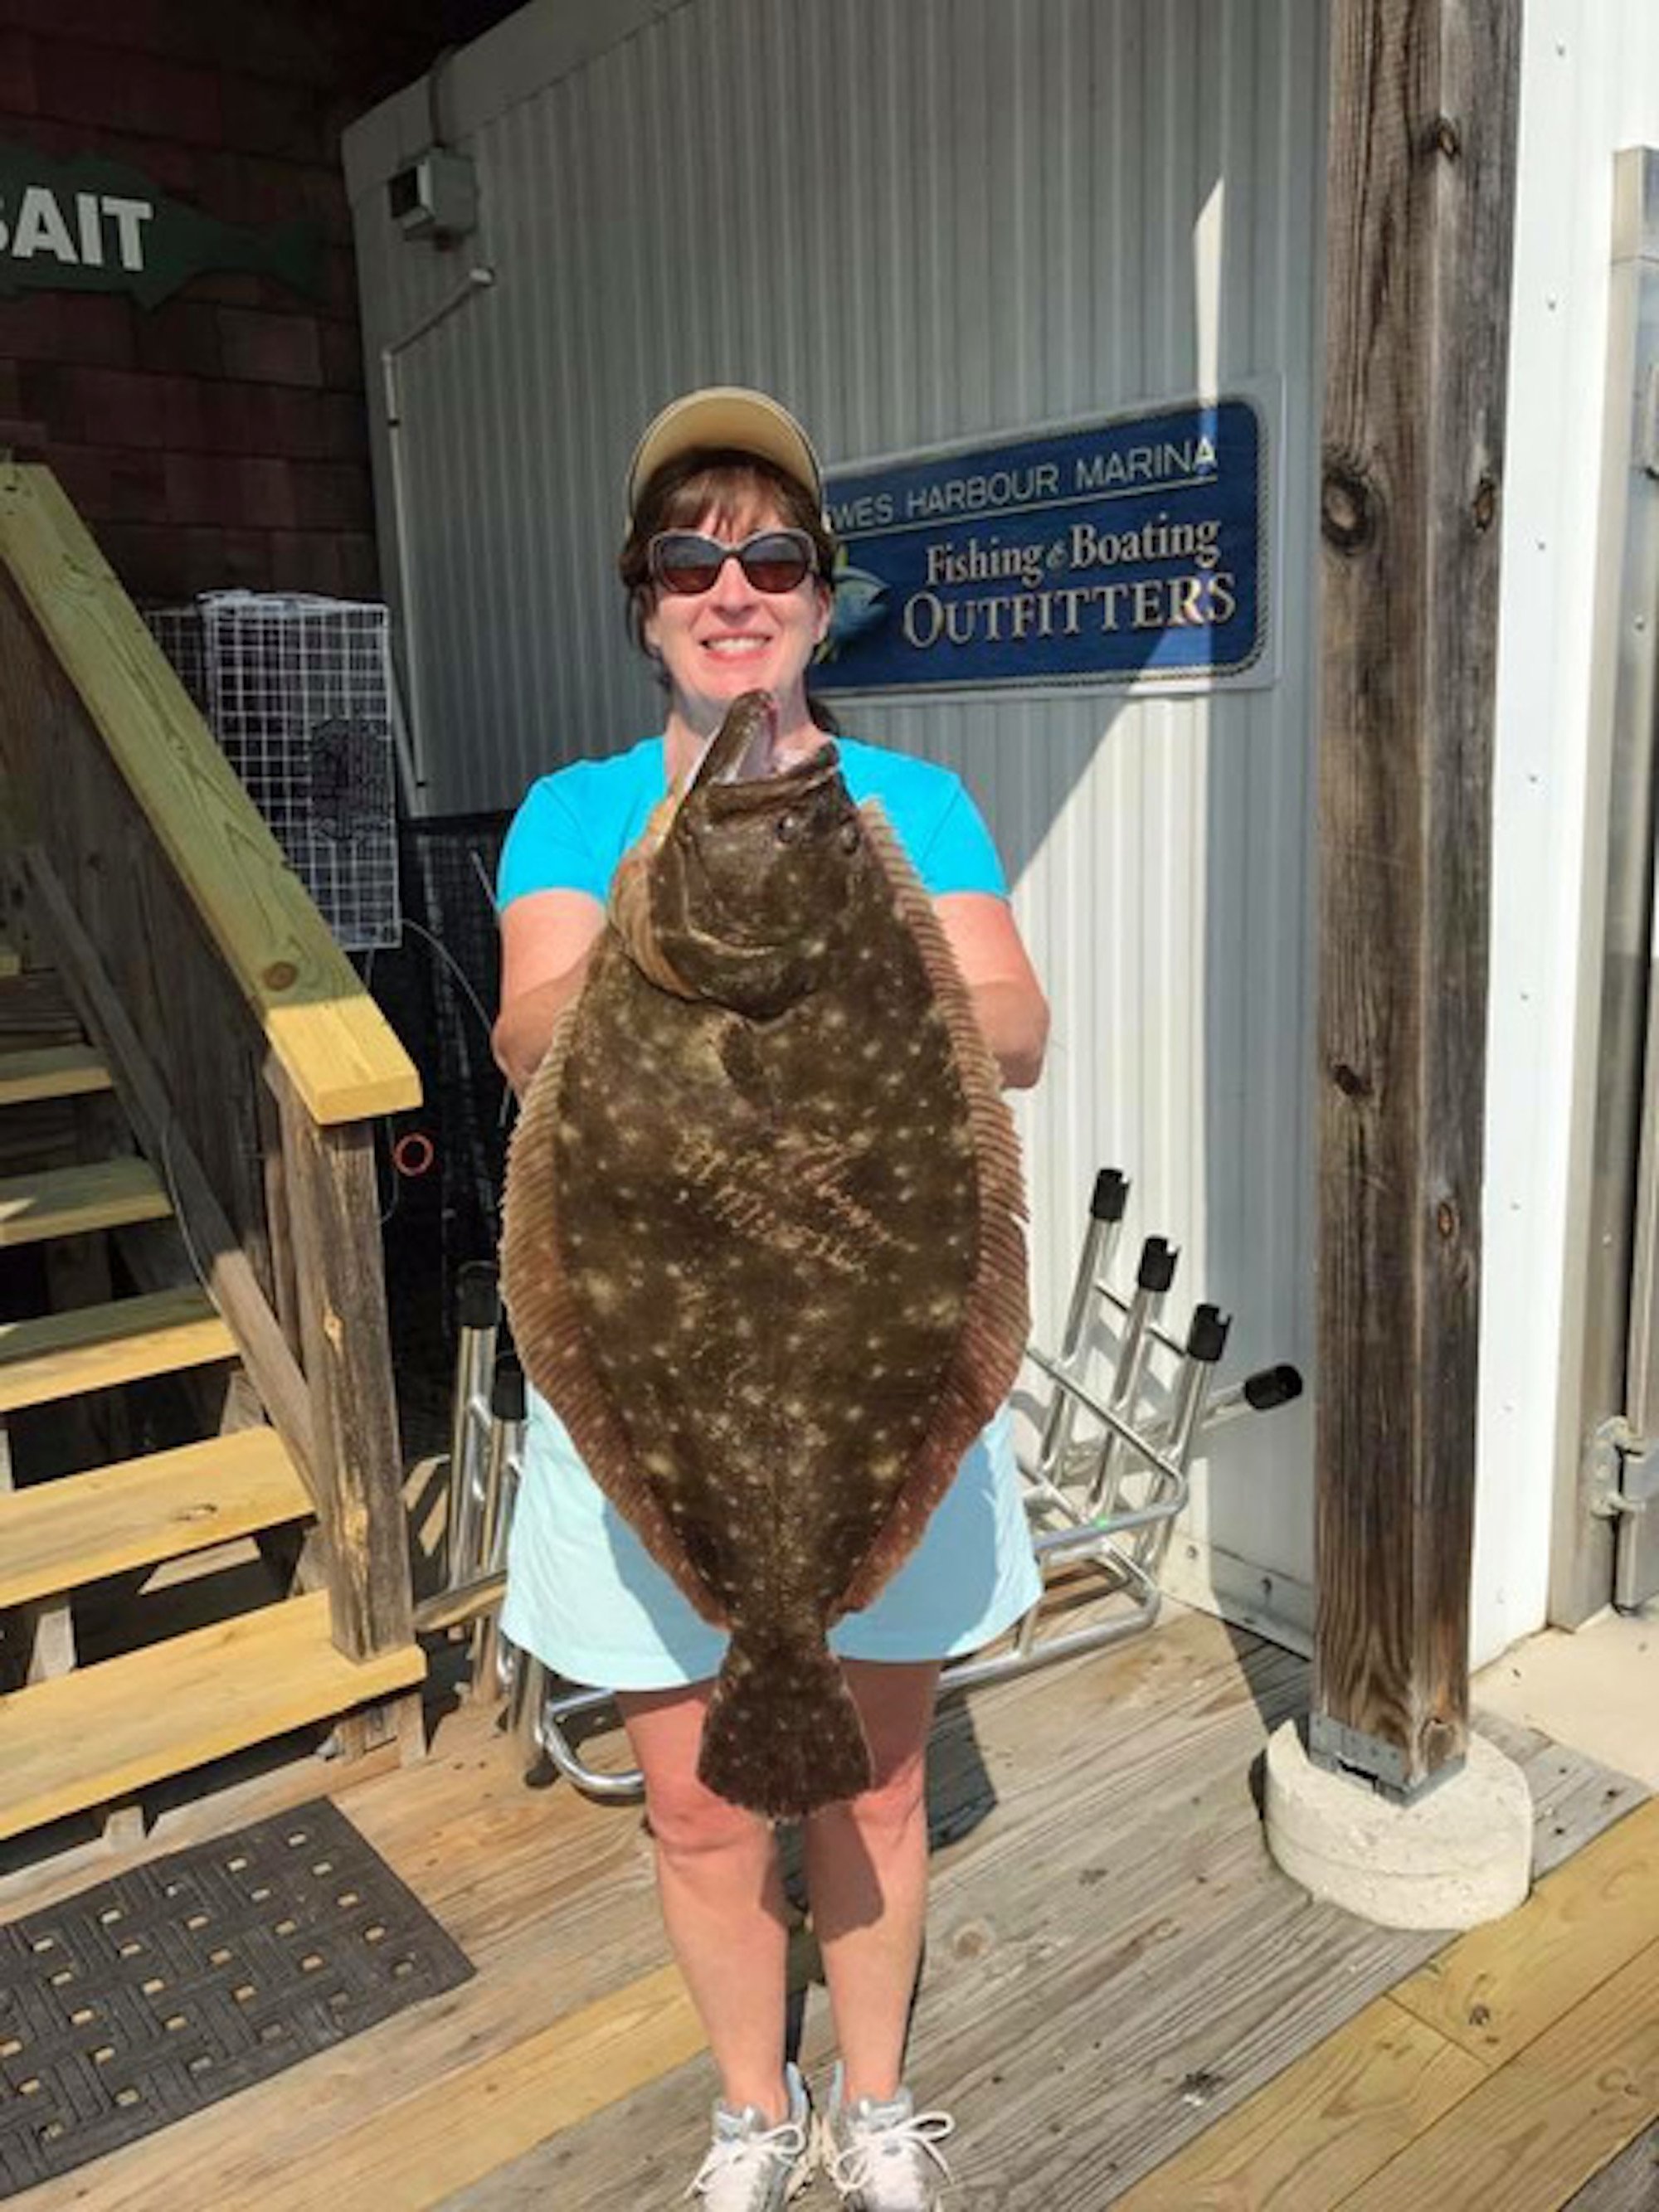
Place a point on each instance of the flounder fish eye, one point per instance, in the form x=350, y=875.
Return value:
x=849, y=835
x=686, y=561
x=789, y=828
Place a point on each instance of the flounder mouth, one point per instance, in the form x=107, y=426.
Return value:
x=779, y=790
x=742, y=747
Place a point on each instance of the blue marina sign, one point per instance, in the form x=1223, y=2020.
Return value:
x=1132, y=550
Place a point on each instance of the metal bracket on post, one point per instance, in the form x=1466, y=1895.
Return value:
x=1363, y=1758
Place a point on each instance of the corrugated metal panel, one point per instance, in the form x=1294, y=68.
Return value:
x=914, y=224
x=1589, y=86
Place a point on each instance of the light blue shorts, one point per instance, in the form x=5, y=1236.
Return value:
x=586, y=1598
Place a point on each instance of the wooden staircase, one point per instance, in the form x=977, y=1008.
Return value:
x=74, y=1737
x=188, y=1071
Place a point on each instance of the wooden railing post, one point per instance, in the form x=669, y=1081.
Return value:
x=334, y=1219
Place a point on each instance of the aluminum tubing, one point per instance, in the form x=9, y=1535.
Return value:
x=971, y=1674
x=474, y=1362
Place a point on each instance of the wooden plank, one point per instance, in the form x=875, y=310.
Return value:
x=1629, y=2184
x=209, y=1237
x=1539, y=2127
x=356, y=1466
x=1496, y=1989
x=1108, y=1905
x=64, y=1071
x=57, y=1535
x=1418, y=223
x=110, y=1730
x=73, y=1201
x=415, y=2153
x=1325, y=2125
x=97, y=1346
x=1339, y=2115
x=324, y=1028
x=553, y=1897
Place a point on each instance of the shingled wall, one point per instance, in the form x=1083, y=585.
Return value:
x=219, y=438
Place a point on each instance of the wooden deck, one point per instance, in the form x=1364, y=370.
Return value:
x=1116, y=1974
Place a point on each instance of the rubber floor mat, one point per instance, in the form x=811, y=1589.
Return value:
x=133, y=2003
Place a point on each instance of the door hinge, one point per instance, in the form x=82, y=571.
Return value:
x=1621, y=1470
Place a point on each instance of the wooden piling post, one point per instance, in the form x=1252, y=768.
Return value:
x=1419, y=216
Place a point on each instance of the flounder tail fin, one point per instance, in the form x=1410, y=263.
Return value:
x=781, y=1735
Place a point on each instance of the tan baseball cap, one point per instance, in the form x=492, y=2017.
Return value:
x=727, y=416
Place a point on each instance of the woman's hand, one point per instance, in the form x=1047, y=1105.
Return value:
x=1008, y=1001
x=546, y=938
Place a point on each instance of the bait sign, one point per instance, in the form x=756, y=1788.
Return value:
x=89, y=225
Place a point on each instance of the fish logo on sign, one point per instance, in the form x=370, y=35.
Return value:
x=91, y=225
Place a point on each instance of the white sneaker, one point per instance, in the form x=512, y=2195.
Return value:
x=883, y=2157
x=753, y=2167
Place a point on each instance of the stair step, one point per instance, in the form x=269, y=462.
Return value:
x=35, y=1011
x=59, y=1535
x=96, y=1736
x=65, y=1071
x=92, y=1348
x=70, y=1201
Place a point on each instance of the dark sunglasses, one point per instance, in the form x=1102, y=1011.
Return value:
x=773, y=560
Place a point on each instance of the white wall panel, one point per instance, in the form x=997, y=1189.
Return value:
x=1589, y=86
x=915, y=223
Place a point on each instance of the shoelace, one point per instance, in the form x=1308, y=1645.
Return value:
x=727, y=2158
x=854, y=2168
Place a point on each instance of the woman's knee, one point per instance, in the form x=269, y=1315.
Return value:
x=688, y=1820
x=895, y=1803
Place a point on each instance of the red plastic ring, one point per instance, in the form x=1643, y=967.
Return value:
x=414, y=1153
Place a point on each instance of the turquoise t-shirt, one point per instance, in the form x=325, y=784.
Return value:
x=574, y=825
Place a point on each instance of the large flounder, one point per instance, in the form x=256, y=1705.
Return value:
x=763, y=1247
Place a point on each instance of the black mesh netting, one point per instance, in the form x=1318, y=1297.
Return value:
x=440, y=1163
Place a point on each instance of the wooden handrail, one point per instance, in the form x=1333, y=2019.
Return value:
x=326, y=1033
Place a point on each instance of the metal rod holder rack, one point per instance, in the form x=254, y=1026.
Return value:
x=1104, y=1499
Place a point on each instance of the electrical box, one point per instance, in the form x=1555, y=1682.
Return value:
x=434, y=196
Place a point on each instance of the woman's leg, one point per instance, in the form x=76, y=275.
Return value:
x=867, y=1871
x=722, y=1897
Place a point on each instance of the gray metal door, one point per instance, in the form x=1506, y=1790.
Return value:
x=1622, y=1462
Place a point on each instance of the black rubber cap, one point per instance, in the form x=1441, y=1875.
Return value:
x=1111, y=1195
x=1157, y=1264
x=507, y=1391
x=1273, y=1386
x=478, y=1295
x=1206, y=1338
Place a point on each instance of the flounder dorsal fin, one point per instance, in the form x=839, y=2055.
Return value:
x=992, y=1341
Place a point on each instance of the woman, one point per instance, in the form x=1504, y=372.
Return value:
x=728, y=563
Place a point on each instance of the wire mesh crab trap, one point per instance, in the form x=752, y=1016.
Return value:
x=297, y=689
x=1116, y=1419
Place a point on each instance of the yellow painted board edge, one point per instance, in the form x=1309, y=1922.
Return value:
x=338, y=1048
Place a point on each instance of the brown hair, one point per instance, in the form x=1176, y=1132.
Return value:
x=721, y=483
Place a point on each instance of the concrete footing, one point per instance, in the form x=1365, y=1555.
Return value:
x=1459, y=1856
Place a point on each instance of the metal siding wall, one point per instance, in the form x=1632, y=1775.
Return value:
x=914, y=224
x=1589, y=86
